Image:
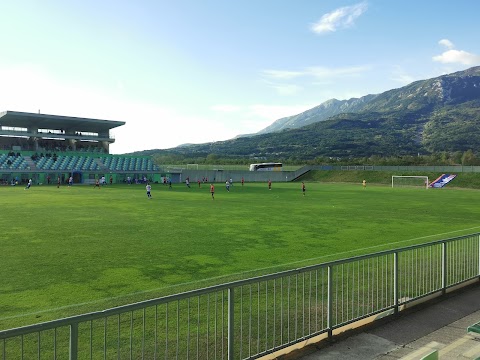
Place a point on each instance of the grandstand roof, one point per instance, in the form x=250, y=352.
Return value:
x=44, y=121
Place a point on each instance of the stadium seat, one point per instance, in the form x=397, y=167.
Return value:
x=475, y=328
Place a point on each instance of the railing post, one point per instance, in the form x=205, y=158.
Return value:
x=231, y=309
x=329, y=302
x=395, y=281
x=444, y=268
x=478, y=256
x=73, y=341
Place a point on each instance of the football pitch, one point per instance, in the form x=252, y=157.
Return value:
x=73, y=250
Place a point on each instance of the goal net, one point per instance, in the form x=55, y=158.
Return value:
x=410, y=181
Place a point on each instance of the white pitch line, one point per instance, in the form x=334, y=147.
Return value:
x=228, y=275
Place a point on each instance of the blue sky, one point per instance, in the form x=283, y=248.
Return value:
x=199, y=71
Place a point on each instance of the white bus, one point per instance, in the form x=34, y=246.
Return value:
x=266, y=167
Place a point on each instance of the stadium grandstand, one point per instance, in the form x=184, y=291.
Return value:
x=47, y=147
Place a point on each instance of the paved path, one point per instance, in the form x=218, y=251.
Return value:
x=439, y=325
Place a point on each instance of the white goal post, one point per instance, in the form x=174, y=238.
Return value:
x=410, y=181
x=192, y=166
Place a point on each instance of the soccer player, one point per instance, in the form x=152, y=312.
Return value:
x=70, y=181
x=212, y=191
x=227, y=185
x=243, y=180
x=269, y=184
x=149, y=189
x=58, y=182
x=97, y=183
x=364, y=184
x=303, y=188
x=29, y=184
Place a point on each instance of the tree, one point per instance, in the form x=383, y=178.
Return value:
x=457, y=157
x=469, y=158
x=211, y=159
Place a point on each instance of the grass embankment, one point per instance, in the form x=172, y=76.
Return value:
x=463, y=180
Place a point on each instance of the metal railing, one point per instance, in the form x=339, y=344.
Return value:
x=250, y=318
x=425, y=168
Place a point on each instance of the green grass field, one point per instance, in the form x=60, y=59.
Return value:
x=72, y=250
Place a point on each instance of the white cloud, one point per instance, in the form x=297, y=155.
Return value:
x=343, y=17
x=322, y=75
x=403, y=79
x=452, y=56
x=447, y=43
x=321, y=72
x=225, y=108
x=457, y=56
x=399, y=75
x=282, y=74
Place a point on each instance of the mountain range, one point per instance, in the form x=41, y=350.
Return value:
x=449, y=89
x=426, y=116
